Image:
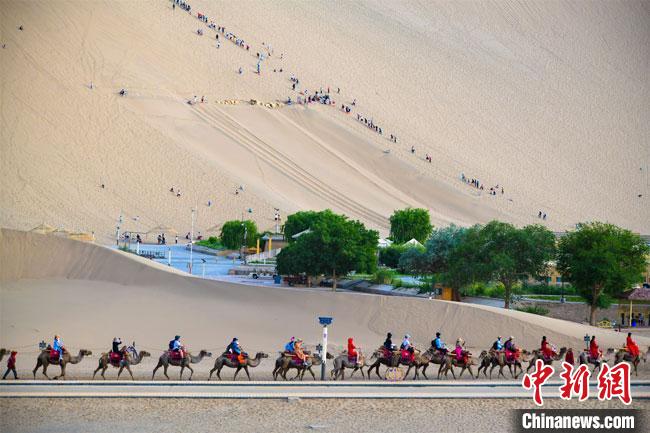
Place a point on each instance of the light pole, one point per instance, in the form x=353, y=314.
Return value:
x=323, y=354
x=192, y=239
x=117, y=230
x=242, y=256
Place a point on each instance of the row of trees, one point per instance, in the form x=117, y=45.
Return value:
x=600, y=260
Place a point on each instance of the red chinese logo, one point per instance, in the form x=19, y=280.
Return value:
x=575, y=382
x=615, y=382
x=536, y=379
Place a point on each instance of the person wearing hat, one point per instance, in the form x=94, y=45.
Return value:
x=388, y=343
x=439, y=345
x=235, y=348
x=176, y=346
x=11, y=365
x=57, y=345
x=511, y=349
x=299, y=352
x=116, y=344
x=497, y=345
x=406, y=342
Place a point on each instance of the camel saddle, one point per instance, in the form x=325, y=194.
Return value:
x=54, y=355
x=115, y=358
x=176, y=355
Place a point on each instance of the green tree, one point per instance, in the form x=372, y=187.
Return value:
x=507, y=254
x=390, y=256
x=409, y=223
x=601, y=260
x=232, y=234
x=298, y=222
x=334, y=246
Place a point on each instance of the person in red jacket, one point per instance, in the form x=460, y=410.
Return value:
x=353, y=355
x=631, y=346
x=569, y=358
x=11, y=365
x=594, y=351
x=547, y=350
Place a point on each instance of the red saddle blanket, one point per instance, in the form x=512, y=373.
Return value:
x=54, y=355
x=176, y=355
x=407, y=356
x=115, y=357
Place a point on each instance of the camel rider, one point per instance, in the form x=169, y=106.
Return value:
x=300, y=354
x=439, y=345
x=388, y=344
x=631, y=347
x=569, y=358
x=235, y=348
x=497, y=345
x=594, y=351
x=461, y=353
x=116, y=344
x=511, y=349
x=176, y=346
x=290, y=346
x=57, y=345
x=547, y=350
x=406, y=343
x=353, y=355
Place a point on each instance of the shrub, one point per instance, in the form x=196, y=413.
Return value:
x=383, y=276
x=534, y=309
x=211, y=242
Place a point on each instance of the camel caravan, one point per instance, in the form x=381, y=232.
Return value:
x=295, y=358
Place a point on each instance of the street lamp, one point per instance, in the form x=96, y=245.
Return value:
x=191, y=239
x=323, y=353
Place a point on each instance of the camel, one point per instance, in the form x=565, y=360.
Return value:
x=494, y=359
x=624, y=355
x=342, y=362
x=537, y=354
x=131, y=357
x=584, y=358
x=165, y=361
x=464, y=366
x=285, y=363
x=431, y=356
x=224, y=360
x=44, y=360
x=381, y=359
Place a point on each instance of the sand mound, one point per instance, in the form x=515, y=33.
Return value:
x=494, y=92
x=90, y=294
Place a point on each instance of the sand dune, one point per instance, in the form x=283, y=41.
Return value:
x=547, y=100
x=90, y=294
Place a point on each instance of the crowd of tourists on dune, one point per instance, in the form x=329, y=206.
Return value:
x=294, y=356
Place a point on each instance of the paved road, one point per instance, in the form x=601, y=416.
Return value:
x=241, y=390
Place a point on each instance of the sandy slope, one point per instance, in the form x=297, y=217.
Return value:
x=90, y=294
x=547, y=99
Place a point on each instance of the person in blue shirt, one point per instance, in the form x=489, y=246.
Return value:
x=497, y=345
x=406, y=343
x=290, y=346
x=175, y=345
x=58, y=345
x=439, y=345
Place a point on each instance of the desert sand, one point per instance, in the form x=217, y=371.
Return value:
x=89, y=294
x=547, y=100
x=83, y=415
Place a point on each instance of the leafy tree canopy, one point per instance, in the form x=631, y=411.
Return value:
x=410, y=223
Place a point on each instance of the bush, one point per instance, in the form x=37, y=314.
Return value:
x=232, y=234
x=383, y=276
x=545, y=289
x=211, y=242
x=534, y=309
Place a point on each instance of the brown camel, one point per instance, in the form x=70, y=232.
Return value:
x=342, y=362
x=224, y=360
x=431, y=356
x=537, y=354
x=285, y=363
x=585, y=358
x=131, y=357
x=44, y=360
x=462, y=364
x=381, y=359
x=624, y=355
x=166, y=360
x=490, y=358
